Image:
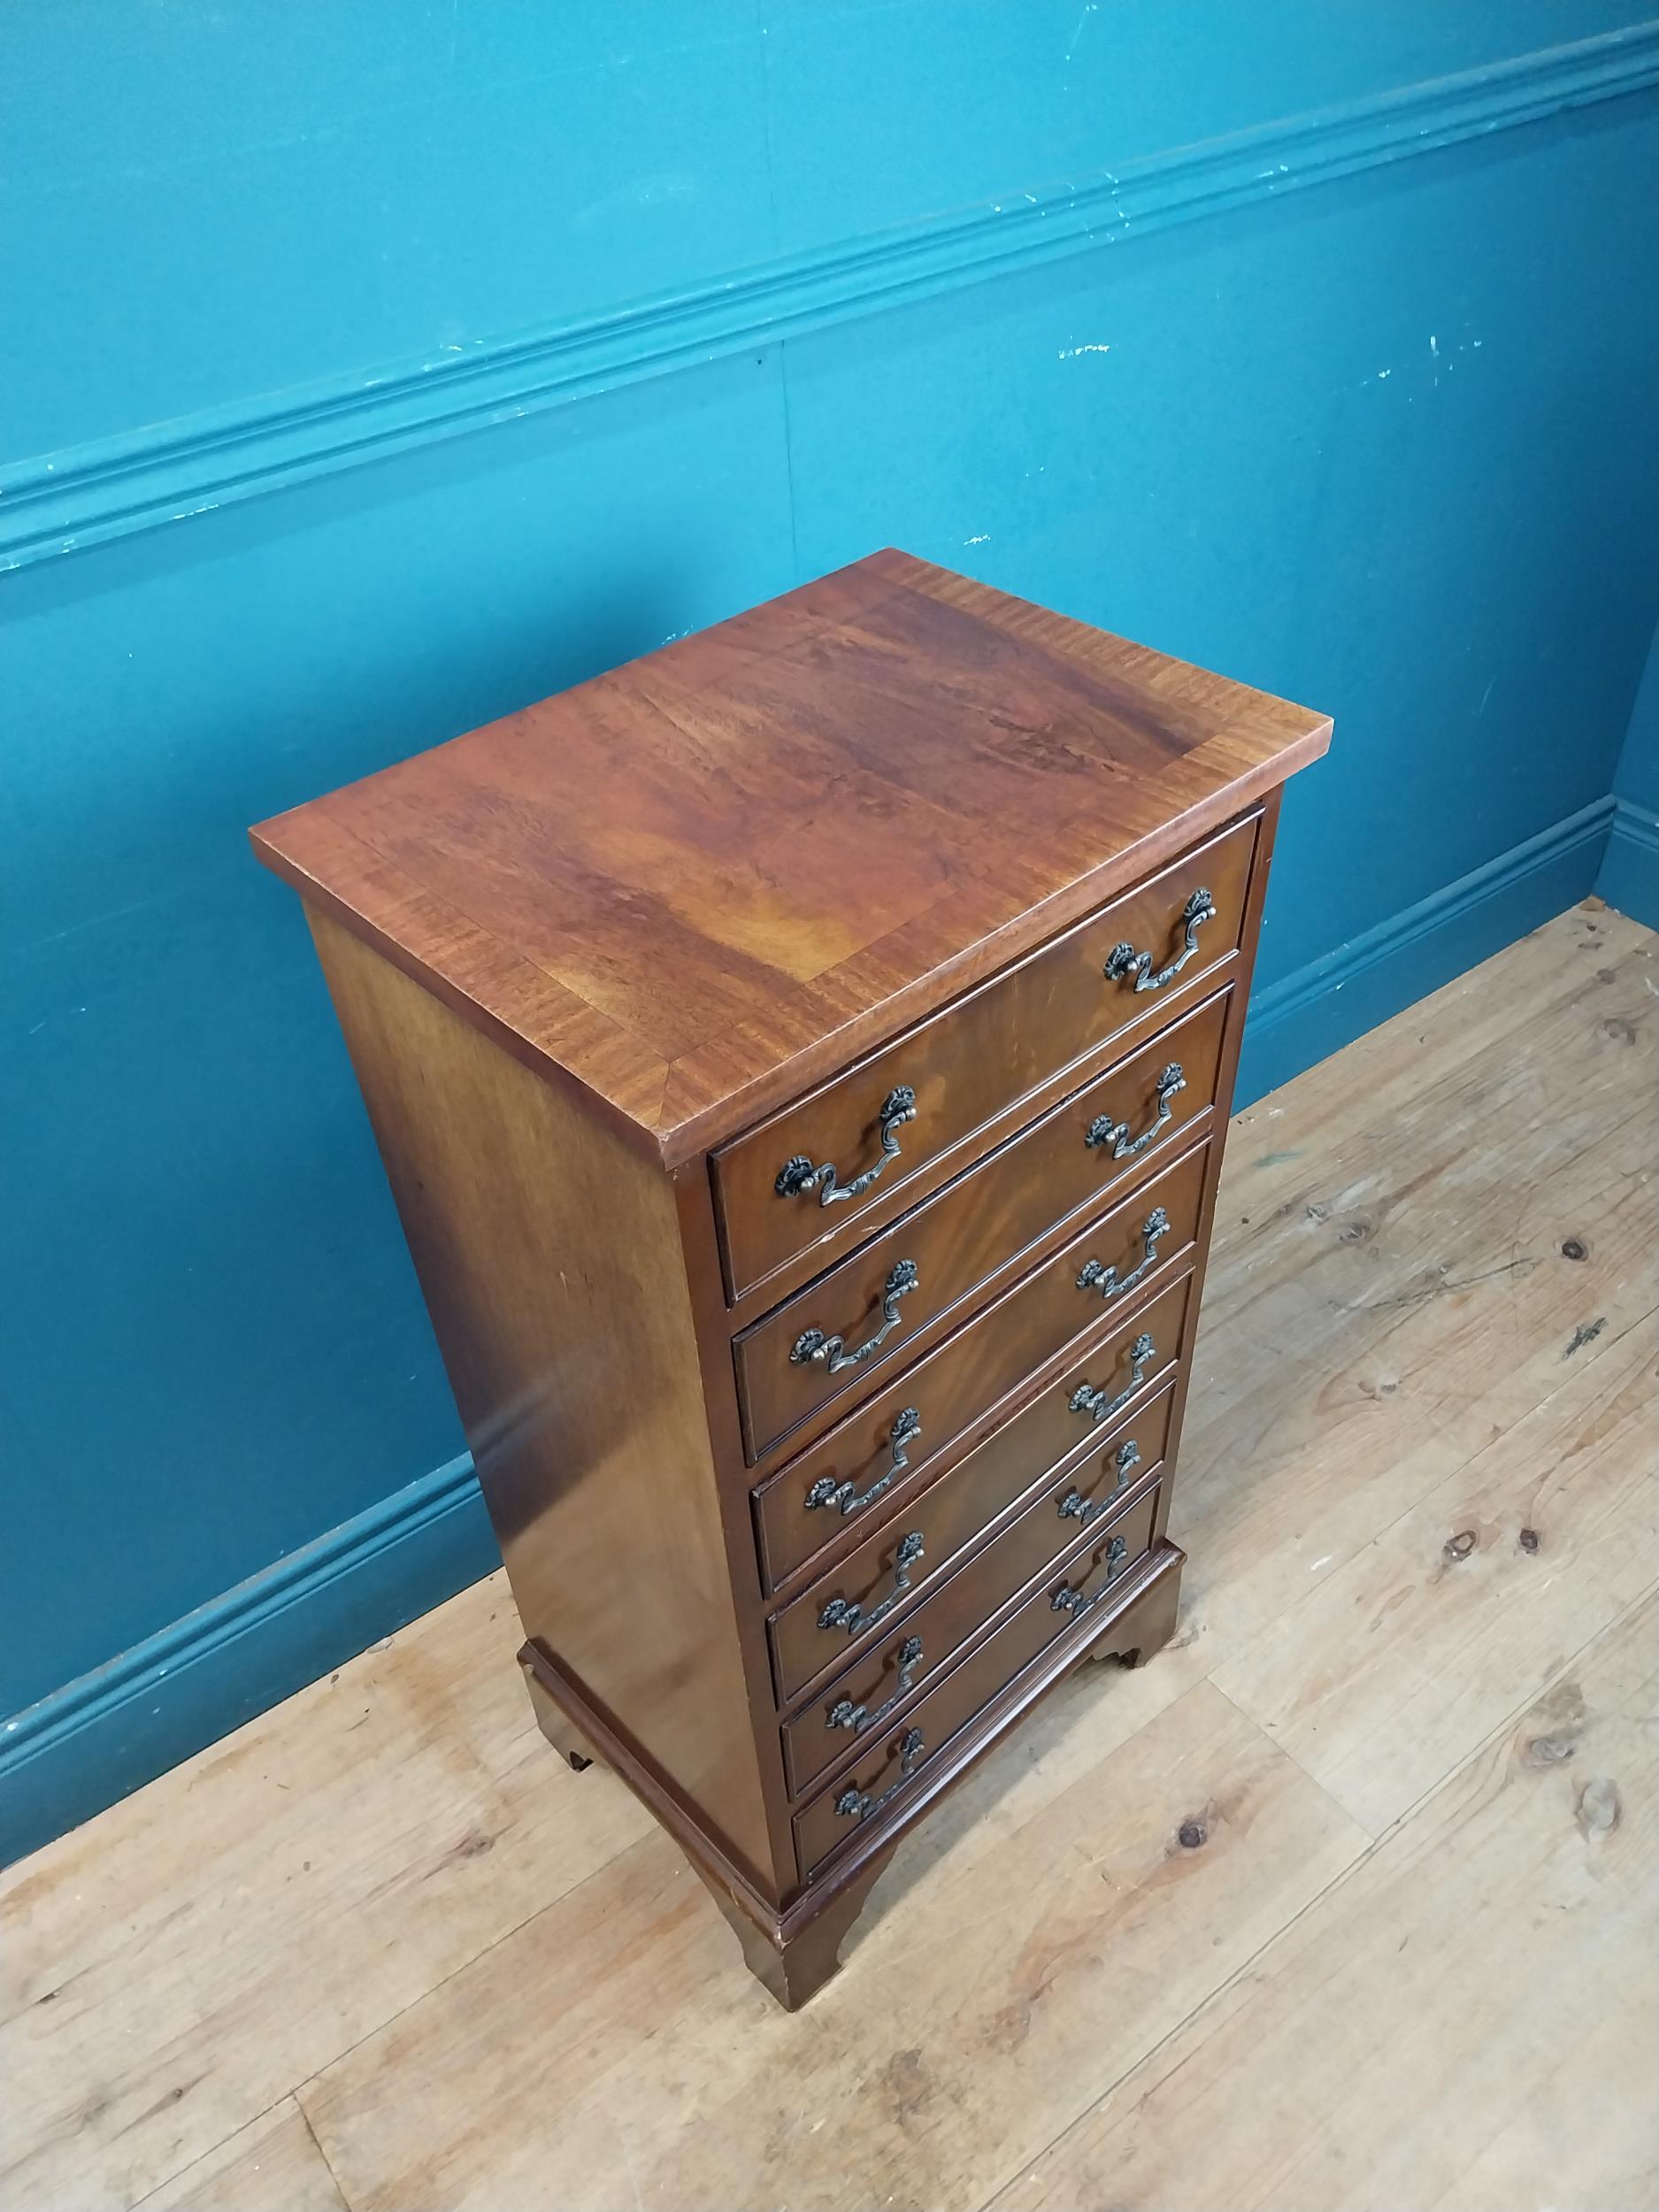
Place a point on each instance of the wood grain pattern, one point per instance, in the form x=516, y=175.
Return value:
x=796, y=1970
x=881, y=1205
x=602, y=1495
x=786, y=1402
x=984, y=1364
x=699, y=884
x=1391, y=1306
x=172, y=1970
x=901, y=1754
x=273, y=2165
x=948, y=2044
x=350, y=1897
x=1044, y=1429
x=981, y=1228
x=577, y=954
x=981, y=1497
x=1054, y=1012
x=957, y=1516
x=1566, y=1504
x=1510, y=1915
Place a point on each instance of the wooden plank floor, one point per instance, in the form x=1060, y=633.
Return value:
x=381, y=1948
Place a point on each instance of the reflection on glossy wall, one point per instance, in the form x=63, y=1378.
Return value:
x=476, y=350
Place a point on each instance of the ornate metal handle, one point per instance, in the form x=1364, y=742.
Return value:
x=855, y=1804
x=1103, y=1129
x=845, y=1713
x=799, y=1174
x=1107, y=1280
x=1066, y=1600
x=1124, y=960
x=1096, y=1404
x=827, y=1491
x=1075, y=1507
x=812, y=1344
x=842, y=1613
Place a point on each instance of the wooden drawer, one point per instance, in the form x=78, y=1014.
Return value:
x=806, y=1506
x=971, y=1060
x=781, y=1366
x=1097, y=1140
x=1104, y=1559
x=911, y=1648
x=913, y=1552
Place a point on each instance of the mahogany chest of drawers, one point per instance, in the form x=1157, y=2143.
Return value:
x=802, y=1059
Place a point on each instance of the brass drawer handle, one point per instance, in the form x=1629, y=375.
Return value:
x=1075, y=1507
x=1107, y=1280
x=1066, y=1600
x=1096, y=1404
x=842, y=1613
x=856, y=1804
x=812, y=1344
x=1124, y=960
x=799, y=1174
x=1104, y=1130
x=826, y=1491
x=845, y=1713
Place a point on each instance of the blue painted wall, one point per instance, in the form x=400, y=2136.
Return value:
x=1629, y=878
x=369, y=372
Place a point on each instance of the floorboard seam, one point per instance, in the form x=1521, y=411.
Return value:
x=305, y=2119
x=465, y=1965
x=1337, y=1882
x=1229, y=1981
x=1588, y=1156
x=1614, y=1621
x=137, y=2204
x=1410, y=1505
x=1307, y=1773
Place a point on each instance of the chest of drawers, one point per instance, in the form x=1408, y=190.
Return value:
x=802, y=1060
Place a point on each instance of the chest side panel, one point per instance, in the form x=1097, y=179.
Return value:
x=550, y=1258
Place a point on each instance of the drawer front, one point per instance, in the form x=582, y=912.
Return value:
x=852, y=1471
x=1086, y=1580
x=801, y=1175
x=898, y=1659
x=864, y=1313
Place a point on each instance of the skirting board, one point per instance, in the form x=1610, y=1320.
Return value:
x=1307, y=1015
x=111, y=1731
x=98, y=1738
x=1630, y=871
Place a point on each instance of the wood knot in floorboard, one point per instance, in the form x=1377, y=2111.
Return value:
x=1600, y=1806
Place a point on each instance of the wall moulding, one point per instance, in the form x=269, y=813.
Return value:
x=85, y=496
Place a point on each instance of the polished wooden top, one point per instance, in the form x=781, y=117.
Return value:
x=700, y=883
